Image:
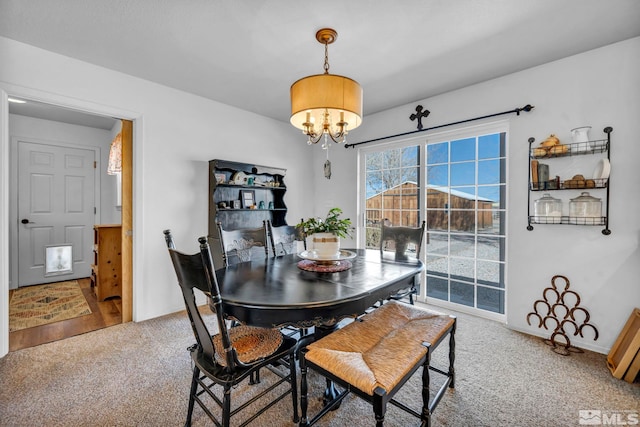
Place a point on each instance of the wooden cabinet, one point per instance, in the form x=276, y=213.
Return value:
x=106, y=270
x=243, y=195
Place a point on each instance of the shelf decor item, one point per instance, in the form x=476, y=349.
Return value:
x=585, y=208
x=548, y=210
x=323, y=235
x=248, y=198
x=580, y=137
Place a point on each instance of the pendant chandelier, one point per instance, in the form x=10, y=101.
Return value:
x=326, y=104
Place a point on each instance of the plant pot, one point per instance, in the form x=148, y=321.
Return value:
x=325, y=245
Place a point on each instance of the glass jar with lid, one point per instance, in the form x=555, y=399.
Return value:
x=585, y=209
x=547, y=210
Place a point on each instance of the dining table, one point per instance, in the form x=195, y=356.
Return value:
x=282, y=291
x=289, y=291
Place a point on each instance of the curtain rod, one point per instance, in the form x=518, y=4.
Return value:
x=526, y=108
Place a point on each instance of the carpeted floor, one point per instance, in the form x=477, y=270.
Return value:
x=138, y=374
x=41, y=304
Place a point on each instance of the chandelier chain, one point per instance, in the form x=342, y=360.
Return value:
x=326, y=57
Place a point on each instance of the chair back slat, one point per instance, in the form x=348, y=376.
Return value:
x=216, y=301
x=244, y=244
x=401, y=237
x=283, y=239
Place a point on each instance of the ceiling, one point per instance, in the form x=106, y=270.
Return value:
x=248, y=53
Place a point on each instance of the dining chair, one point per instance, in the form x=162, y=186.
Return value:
x=375, y=356
x=243, y=244
x=283, y=239
x=402, y=243
x=224, y=360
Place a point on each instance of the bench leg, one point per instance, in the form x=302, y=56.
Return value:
x=426, y=413
x=379, y=406
x=452, y=353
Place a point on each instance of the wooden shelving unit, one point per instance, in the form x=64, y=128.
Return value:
x=229, y=182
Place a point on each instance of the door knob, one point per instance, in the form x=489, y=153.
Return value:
x=26, y=221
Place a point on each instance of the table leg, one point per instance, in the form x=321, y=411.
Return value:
x=330, y=392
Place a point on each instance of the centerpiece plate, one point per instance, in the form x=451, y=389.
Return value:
x=343, y=255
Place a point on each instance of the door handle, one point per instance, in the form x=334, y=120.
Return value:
x=26, y=221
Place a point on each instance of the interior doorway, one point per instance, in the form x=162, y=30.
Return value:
x=56, y=211
x=107, y=313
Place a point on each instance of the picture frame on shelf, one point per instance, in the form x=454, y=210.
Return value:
x=248, y=198
x=235, y=204
x=220, y=178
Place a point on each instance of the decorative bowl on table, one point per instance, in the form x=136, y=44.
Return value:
x=342, y=255
x=312, y=261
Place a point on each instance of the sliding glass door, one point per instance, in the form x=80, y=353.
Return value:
x=458, y=185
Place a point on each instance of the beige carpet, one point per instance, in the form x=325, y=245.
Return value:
x=38, y=305
x=138, y=374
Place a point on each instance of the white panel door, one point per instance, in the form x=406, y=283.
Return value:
x=55, y=207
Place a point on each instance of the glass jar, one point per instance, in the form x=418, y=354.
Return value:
x=585, y=209
x=547, y=210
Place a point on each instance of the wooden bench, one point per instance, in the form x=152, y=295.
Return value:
x=374, y=356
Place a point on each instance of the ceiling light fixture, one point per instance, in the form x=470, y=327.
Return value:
x=16, y=101
x=326, y=104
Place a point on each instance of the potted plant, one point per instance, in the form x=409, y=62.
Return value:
x=323, y=235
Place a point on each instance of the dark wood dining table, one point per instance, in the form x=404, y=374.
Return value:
x=275, y=292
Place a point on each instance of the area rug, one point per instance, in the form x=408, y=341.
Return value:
x=42, y=304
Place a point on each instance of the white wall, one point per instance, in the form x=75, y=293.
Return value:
x=175, y=134
x=598, y=88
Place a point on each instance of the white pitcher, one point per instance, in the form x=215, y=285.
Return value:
x=580, y=137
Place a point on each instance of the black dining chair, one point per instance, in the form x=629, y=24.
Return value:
x=401, y=243
x=222, y=361
x=243, y=244
x=283, y=239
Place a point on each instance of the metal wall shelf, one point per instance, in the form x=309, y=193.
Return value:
x=597, y=146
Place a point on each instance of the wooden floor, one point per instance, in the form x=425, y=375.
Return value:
x=103, y=314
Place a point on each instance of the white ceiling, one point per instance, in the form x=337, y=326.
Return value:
x=248, y=53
